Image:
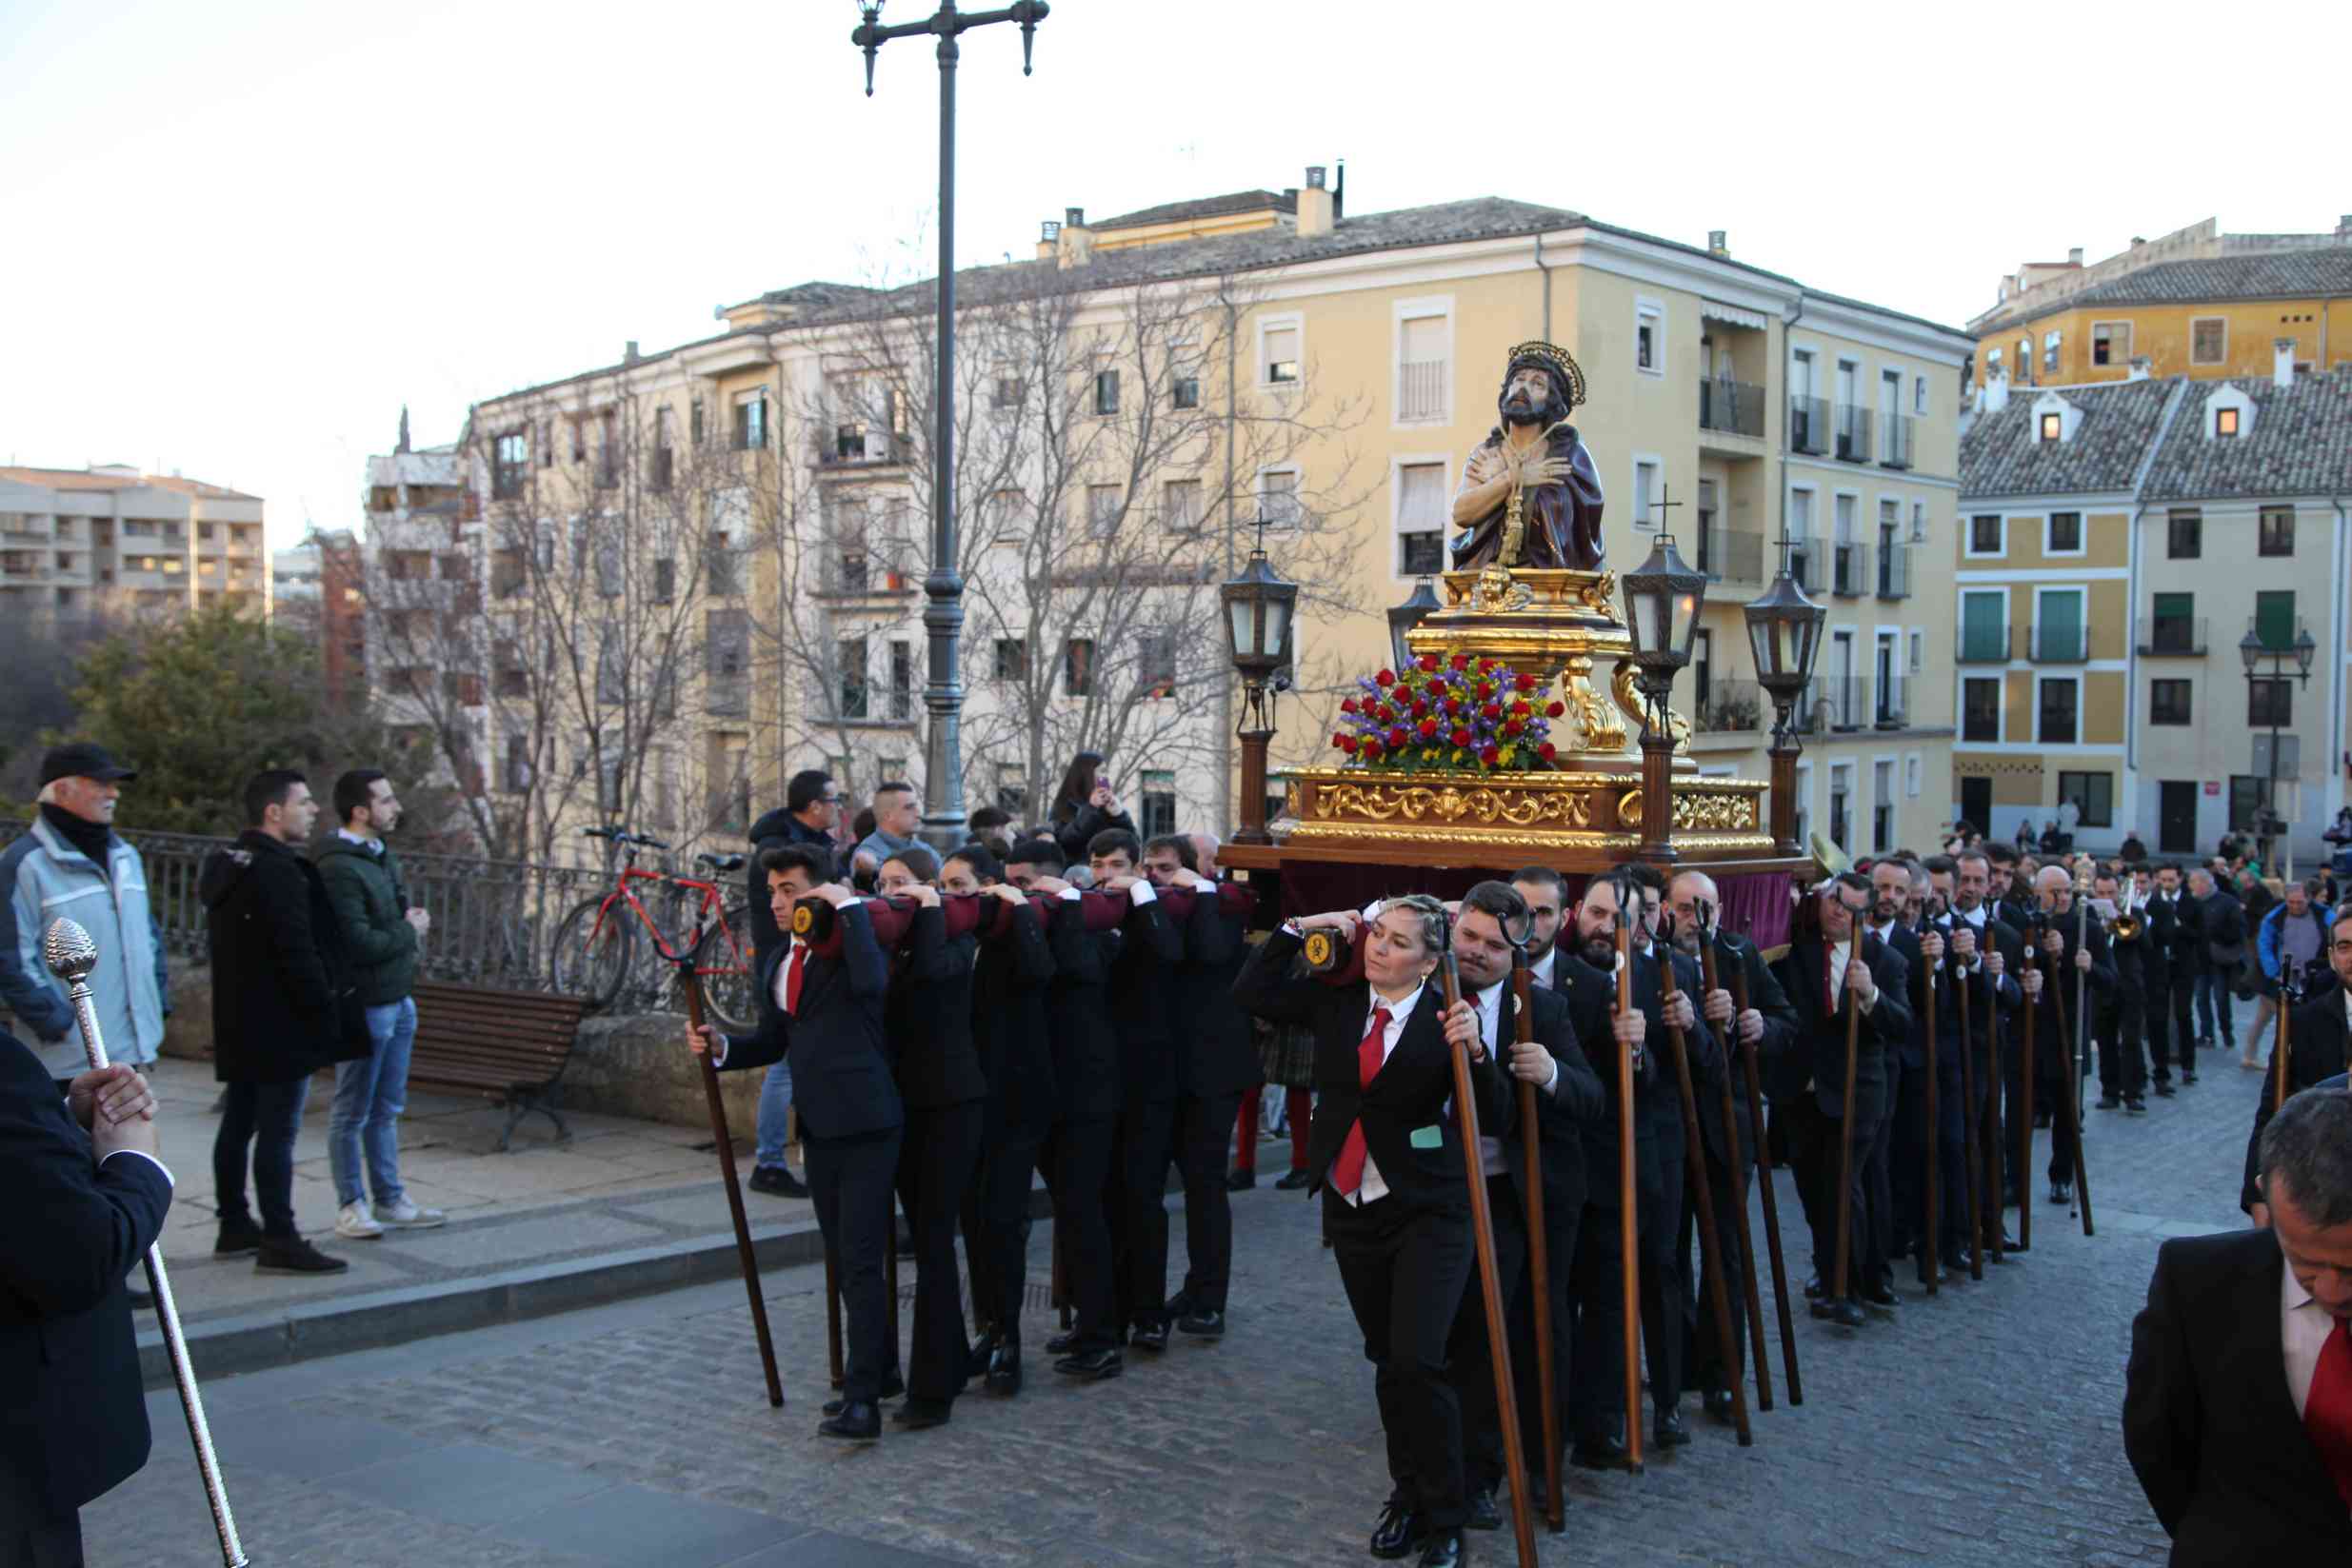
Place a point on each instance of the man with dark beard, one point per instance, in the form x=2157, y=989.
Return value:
x=1529, y=496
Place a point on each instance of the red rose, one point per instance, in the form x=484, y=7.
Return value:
x=1453, y=704
x=1420, y=707
x=1555, y=710
x=1486, y=688
x=1520, y=710
x=1397, y=737
x=1548, y=751
x=1348, y=705
x=1372, y=748
x=1460, y=736
x=1489, y=756
x=1437, y=687
x=1526, y=682
x=1428, y=729
x=1385, y=678
x=1429, y=662
x=1461, y=661
x=1490, y=711
x=1510, y=727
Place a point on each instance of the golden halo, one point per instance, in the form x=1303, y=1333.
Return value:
x=1558, y=361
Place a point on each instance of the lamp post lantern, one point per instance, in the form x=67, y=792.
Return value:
x=1784, y=635
x=943, y=616
x=1663, y=598
x=1258, y=610
x=1404, y=618
x=2266, y=660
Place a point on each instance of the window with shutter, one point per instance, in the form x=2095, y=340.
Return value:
x=1280, y=346
x=2208, y=340
x=1421, y=517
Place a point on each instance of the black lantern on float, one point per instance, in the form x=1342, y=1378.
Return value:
x=1404, y=618
x=1784, y=635
x=1663, y=598
x=1258, y=606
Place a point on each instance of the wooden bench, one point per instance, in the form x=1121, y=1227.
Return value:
x=509, y=1047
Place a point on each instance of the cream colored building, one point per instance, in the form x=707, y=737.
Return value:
x=1726, y=403
x=72, y=540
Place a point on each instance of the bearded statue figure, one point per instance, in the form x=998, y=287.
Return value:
x=1528, y=495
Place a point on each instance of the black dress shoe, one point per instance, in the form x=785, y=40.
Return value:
x=859, y=1422
x=983, y=1349
x=2188, y=1078
x=1813, y=1288
x=1718, y=1401
x=1398, y=1531
x=1148, y=1336
x=1203, y=1325
x=2137, y=1106
x=2062, y=1192
x=1092, y=1365
x=1483, y=1515
x=2110, y=1102
x=1881, y=1293
x=777, y=1181
x=892, y=1386
x=1005, y=1370
x=1941, y=1276
x=1060, y=1344
x=1241, y=1181
x=1443, y=1549
x=917, y=1413
x=1669, y=1432
x=1598, y=1454
x=1844, y=1314
x=2166, y=1091
x=1294, y=1182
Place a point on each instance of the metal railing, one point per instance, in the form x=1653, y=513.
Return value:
x=1893, y=707
x=1849, y=575
x=2172, y=634
x=1808, y=562
x=1853, y=434
x=2060, y=645
x=1732, y=707
x=1984, y=645
x=1894, y=571
x=1733, y=406
x=1421, y=389
x=1728, y=554
x=1895, y=433
x=1834, y=702
x=1808, y=425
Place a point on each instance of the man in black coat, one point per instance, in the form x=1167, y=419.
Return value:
x=1896, y=1171
x=809, y=815
x=1826, y=988
x=826, y=1010
x=2120, y=1019
x=2221, y=954
x=1140, y=993
x=2070, y=945
x=1216, y=1064
x=282, y=1008
x=2317, y=1039
x=2170, y=966
x=2238, y=1399
x=1986, y=956
x=86, y=1199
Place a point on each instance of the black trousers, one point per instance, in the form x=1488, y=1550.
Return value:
x=1203, y=1130
x=1075, y=1160
x=1814, y=1136
x=1596, y=1389
x=850, y=1184
x=268, y=1117
x=1910, y=1157
x=1877, y=1173
x=2172, y=1039
x=2120, y=1018
x=1139, y=1212
x=1471, y=1362
x=996, y=1233
x=935, y=1165
x=30, y=1535
x=1404, y=1270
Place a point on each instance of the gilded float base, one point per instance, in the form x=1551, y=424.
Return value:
x=1577, y=812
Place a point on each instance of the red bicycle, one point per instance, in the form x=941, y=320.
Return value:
x=596, y=944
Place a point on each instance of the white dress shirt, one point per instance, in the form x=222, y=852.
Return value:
x=1543, y=971
x=1371, y=1189
x=2303, y=1328
x=1840, y=954
x=1489, y=1006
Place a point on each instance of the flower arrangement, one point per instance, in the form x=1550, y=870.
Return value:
x=1446, y=715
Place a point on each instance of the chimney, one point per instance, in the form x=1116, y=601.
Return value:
x=2343, y=226
x=1719, y=243
x=1994, y=396
x=628, y=353
x=2136, y=242
x=1076, y=240
x=2282, y=362
x=1049, y=240
x=1314, y=204
x=2074, y=257
x=2141, y=365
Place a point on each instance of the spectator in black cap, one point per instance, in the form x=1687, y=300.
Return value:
x=73, y=864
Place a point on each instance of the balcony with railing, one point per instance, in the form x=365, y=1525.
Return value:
x=2168, y=636
x=1421, y=389
x=1834, y=702
x=1895, y=438
x=1730, y=555
x=1894, y=571
x=857, y=443
x=1982, y=644
x=1850, y=572
x=1893, y=708
x=2067, y=642
x=1808, y=562
x=1733, y=407
x=1732, y=707
x=1852, y=429
x=1808, y=426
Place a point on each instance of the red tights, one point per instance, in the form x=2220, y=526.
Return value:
x=1298, y=1104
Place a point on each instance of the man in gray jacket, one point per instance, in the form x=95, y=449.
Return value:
x=72, y=863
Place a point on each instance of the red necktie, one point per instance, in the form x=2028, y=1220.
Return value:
x=2327, y=1410
x=791, y=977
x=1829, y=997
x=1347, y=1170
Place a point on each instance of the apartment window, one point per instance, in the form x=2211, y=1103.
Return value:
x=547, y=444
x=1106, y=391
x=2278, y=529
x=719, y=562
x=1841, y=796
x=1918, y=394
x=697, y=424
x=2024, y=360
x=2093, y=795
x=902, y=678
x=2268, y=701
x=1180, y=506
x=2273, y=619
x=726, y=637
x=515, y=769
x=1103, y=502
x=751, y=420
x=1919, y=522
x=1645, y=490
x=579, y=440
x=1156, y=662
x=2208, y=341
x=510, y=459
x=611, y=668
x=2053, y=427
x=2110, y=342
x=2224, y=423
x=2065, y=534
x=1185, y=391
x=2049, y=351
x=608, y=574
x=1421, y=519
x=1914, y=775
x=1650, y=325
x=1422, y=359
x=2247, y=794
x=2058, y=711
x=1005, y=393
x=1159, y=801
x=1917, y=643
x=664, y=579
x=1078, y=667
x=1280, y=347
x=849, y=672
x=1012, y=788
x=1882, y=806
x=2185, y=533
x=1981, y=711
x=1012, y=659
x=2168, y=702
x=1985, y=535
x=1278, y=497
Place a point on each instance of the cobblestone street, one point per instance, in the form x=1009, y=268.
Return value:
x=1981, y=1428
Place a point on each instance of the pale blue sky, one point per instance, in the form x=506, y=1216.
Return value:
x=242, y=234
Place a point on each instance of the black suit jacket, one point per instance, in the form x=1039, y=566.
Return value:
x=1991, y=1002
x=69, y=1233
x=840, y=1066
x=2317, y=1050
x=1086, y=1051
x=2208, y=1423
x=1817, y=1061
x=2171, y=938
x=928, y=1017
x=1216, y=1050
x=1656, y=1096
x=1142, y=997
x=1409, y=1094
x=1010, y=1032
x=2058, y=992
x=1575, y=1104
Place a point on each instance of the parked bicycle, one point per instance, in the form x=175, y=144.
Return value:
x=595, y=945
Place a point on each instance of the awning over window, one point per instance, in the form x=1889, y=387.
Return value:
x=1734, y=315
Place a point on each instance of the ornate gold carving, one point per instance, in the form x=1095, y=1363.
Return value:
x=1590, y=724
x=1599, y=594
x=1495, y=591
x=1448, y=803
x=1624, y=685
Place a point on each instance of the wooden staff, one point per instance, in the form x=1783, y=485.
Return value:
x=1771, y=1204
x=1538, y=1250
x=2070, y=1041
x=1846, y=1126
x=1974, y=1153
x=1932, y=1241
x=734, y=1192
x=1738, y=1173
x=1694, y=1157
x=2280, y=1057
x=2025, y=1097
x=833, y=1314
x=1628, y=1260
x=1482, y=1235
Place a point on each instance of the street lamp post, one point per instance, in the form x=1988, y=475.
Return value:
x=1663, y=598
x=943, y=617
x=1258, y=608
x=2257, y=653
x=1784, y=634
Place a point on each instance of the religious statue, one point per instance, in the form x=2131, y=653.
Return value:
x=1529, y=496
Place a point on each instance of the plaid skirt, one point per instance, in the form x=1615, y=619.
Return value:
x=1286, y=1051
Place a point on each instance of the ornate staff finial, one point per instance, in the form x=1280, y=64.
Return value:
x=68, y=950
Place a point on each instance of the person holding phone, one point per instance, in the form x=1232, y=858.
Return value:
x=1085, y=806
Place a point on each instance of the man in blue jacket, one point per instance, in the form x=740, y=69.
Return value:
x=2294, y=931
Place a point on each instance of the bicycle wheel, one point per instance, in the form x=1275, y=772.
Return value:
x=724, y=967
x=590, y=958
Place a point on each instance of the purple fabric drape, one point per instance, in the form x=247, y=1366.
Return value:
x=1756, y=905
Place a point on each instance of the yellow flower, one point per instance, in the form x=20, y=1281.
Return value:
x=1509, y=753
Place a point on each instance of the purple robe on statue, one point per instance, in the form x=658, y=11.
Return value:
x=1564, y=519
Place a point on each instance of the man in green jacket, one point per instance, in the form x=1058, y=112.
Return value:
x=380, y=935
